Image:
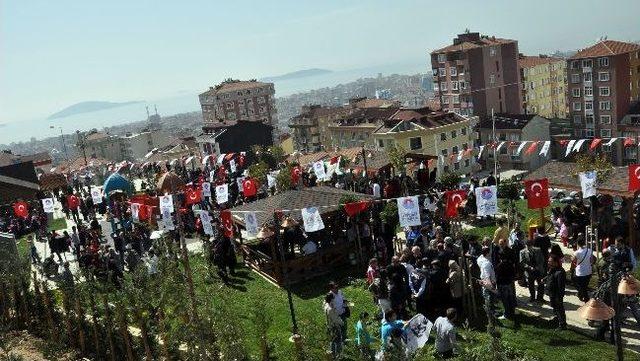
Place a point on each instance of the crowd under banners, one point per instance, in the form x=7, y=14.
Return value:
x=487, y=200
x=588, y=183
x=311, y=219
x=251, y=224
x=167, y=220
x=206, y=189
x=222, y=193
x=96, y=195
x=417, y=330
x=166, y=202
x=47, y=205
x=409, y=211
x=318, y=169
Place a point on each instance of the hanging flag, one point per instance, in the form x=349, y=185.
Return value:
x=212, y=176
x=206, y=222
x=532, y=148
x=521, y=147
x=544, y=151
x=481, y=151
x=578, y=145
x=356, y=208
x=499, y=147
x=222, y=193
x=296, y=173
x=318, y=169
x=271, y=181
x=537, y=192
x=167, y=219
x=251, y=223
x=144, y=212
x=73, y=202
x=629, y=142
x=220, y=158
x=409, y=211
x=588, y=183
x=135, y=211
x=21, y=209
x=569, y=147
x=595, y=143
x=249, y=187
x=634, y=177
x=206, y=189
x=454, y=200
x=166, y=202
x=192, y=196
x=232, y=166
x=311, y=219
x=96, y=195
x=460, y=154
x=47, y=205
x=610, y=142
x=227, y=223
x=417, y=330
x=487, y=201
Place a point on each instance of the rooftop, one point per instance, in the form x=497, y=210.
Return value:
x=96, y=136
x=235, y=85
x=507, y=121
x=424, y=117
x=367, y=116
x=605, y=48
x=470, y=41
x=526, y=61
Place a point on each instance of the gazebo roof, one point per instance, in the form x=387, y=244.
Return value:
x=326, y=198
x=565, y=175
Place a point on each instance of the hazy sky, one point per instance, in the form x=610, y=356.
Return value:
x=56, y=53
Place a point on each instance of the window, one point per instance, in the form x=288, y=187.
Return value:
x=453, y=71
x=575, y=64
x=577, y=118
x=454, y=85
x=575, y=78
x=454, y=150
x=492, y=51
x=443, y=86
x=456, y=99
x=435, y=72
x=605, y=133
x=588, y=120
x=588, y=77
x=603, y=62
x=605, y=91
x=502, y=136
x=532, y=85
x=445, y=100
x=443, y=136
x=588, y=91
x=380, y=143
x=588, y=105
x=444, y=152
x=605, y=119
x=577, y=106
x=436, y=87
x=442, y=72
x=229, y=105
x=603, y=76
x=466, y=162
x=415, y=143
x=454, y=134
x=463, y=85
x=588, y=133
x=492, y=79
x=575, y=92
x=463, y=131
x=586, y=63
x=606, y=105
x=442, y=58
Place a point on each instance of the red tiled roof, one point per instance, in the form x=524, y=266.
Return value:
x=606, y=47
x=531, y=61
x=376, y=103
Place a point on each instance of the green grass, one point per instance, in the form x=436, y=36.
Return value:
x=58, y=224
x=23, y=242
x=526, y=213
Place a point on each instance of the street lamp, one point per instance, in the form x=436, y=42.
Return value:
x=64, y=144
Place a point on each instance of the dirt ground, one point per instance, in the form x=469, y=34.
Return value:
x=20, y=345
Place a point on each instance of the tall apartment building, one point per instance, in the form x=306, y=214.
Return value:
x=309, y=128
x=234, y=100
x=477, y=74
x=544, y=83
x=604, y=82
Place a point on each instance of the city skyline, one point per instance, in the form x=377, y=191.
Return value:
x=57, y=54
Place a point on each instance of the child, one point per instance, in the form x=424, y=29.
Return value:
x=363, y=338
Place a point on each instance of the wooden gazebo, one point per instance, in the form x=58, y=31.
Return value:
x=264, y=255
x=615, y=184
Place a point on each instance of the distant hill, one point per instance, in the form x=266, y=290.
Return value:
x=297, y=74
x=87, y=107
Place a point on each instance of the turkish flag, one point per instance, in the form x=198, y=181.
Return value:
x=634, y=177
x=356, y=207
x=192, y=196
x=532, y=148
x=143, y=212
x=21, y=209
x=628, y=142
x=73, y=202
x=537, y=192
x=595, y=143
x=227, y=223
x=454, y=200
x=296, y=173
x=249, y=187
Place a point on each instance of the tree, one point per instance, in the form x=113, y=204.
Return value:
x=586, y=162
x=259, y=171
x=397, y=155
x=449, y=180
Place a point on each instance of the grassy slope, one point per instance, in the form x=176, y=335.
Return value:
x=23, y=245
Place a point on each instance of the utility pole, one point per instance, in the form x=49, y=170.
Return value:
x=82, y=145
x=495, y=156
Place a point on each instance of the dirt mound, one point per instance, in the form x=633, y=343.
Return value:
x=22, y=345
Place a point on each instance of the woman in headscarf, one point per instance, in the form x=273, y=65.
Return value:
x=455, y=285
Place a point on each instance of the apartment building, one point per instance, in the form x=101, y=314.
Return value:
x=544, y=83
x=356, y=127
x=235, y=100
x=477, y=74
x=446, y=135
x=604, y=85
x=309, y=128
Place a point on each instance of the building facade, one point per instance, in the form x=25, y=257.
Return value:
x=234, y=100
x=446, y=135
x=355, y=128
x=477, y=74
x=309, y=128
x=603, y=87
x=544, y=85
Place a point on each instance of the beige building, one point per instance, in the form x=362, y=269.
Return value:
x=446, y=135
x=309, y=128
x=136, y=146
x=355, y=128
x=103, y=145
x=544, y=85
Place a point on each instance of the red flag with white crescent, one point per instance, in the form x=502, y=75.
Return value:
x=249, y=187
x=21, y=209
x=537, y=192
x=296, y=173
x=227, y=223
x=634, y=177
x=454, y=200
x=192, y=196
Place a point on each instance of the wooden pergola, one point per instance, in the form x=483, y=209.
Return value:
x=616, y=184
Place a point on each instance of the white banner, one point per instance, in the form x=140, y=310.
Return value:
x=487, y=201
x=167, y=220
x=135, y=211
x=271, y=181
x=96, y=195
x=239, y=181
x=206, y=223
x=47, y=205
x=212, y=176
x=588, y=183
x=610, y=142
x=220, y=158
x=318, y=169
x=480, y=151
x=222, y=193
x=545, y=149
x=500, y=147
x=312, y=220
x=206, y=189
x=521, y=147
x=569, y=147
x=251, y=223
x=409, y=211
x=166, y=202
x=232, y=165
x=578, y=145
x=417, y=330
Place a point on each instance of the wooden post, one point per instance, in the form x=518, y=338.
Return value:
x=109, y=327
x=542, y=220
